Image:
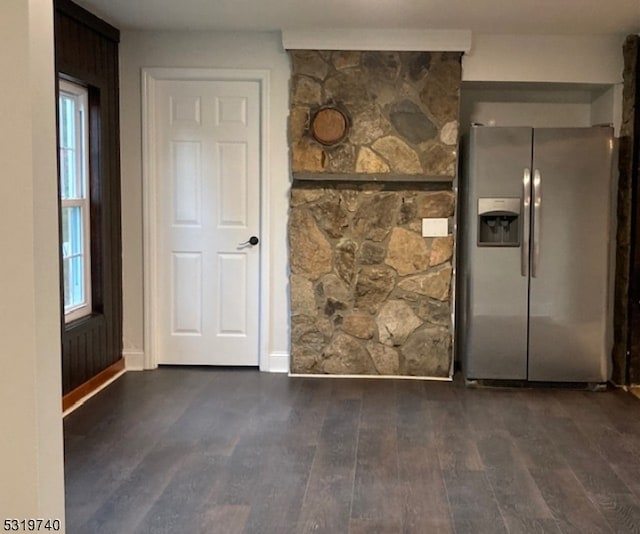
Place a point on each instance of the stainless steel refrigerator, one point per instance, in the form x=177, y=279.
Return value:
x=533, y=254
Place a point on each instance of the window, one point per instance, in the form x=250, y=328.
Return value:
x=74, y=199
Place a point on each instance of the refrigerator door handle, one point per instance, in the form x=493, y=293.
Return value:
x=537, y=222
x=526, y=228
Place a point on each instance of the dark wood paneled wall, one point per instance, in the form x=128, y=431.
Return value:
x=86, y=50
x=633, y=373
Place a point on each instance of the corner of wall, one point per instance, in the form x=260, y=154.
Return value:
x=278, y=362
x=133, y=359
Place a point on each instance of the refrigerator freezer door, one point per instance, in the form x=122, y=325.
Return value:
x=493, y=330
x=568, y=295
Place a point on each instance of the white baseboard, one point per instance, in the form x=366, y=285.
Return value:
x=278, y=362
x=133, y=360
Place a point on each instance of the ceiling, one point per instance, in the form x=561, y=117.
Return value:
x=569, y=17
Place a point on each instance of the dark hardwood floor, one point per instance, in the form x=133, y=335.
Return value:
x=193, y=450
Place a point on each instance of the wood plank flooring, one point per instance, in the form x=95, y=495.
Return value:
x=200, y=450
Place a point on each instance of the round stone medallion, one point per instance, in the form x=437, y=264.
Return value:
x=329, y=126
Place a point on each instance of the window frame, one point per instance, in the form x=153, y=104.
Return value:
x=80, y=94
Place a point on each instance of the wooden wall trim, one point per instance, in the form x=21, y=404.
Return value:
x=91, y=385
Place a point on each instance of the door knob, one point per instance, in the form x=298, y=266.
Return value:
x=253, y=240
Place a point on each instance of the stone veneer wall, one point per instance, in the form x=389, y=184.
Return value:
x=369, y=294
x=402, y=106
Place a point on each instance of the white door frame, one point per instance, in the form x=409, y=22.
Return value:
x=150, y=77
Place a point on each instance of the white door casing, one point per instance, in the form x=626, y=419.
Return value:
x=204, y=146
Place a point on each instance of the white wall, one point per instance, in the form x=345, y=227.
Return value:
x=211, y=50
x=534, y=114
x=602, y=105
x=545, y=58
x=31, y=464
x=567, y=66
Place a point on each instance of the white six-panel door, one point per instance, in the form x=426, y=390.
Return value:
x=208, y=204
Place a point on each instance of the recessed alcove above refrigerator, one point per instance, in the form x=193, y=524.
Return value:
x=539, y=104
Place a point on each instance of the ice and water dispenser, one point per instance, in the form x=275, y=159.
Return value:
x=498, y=222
